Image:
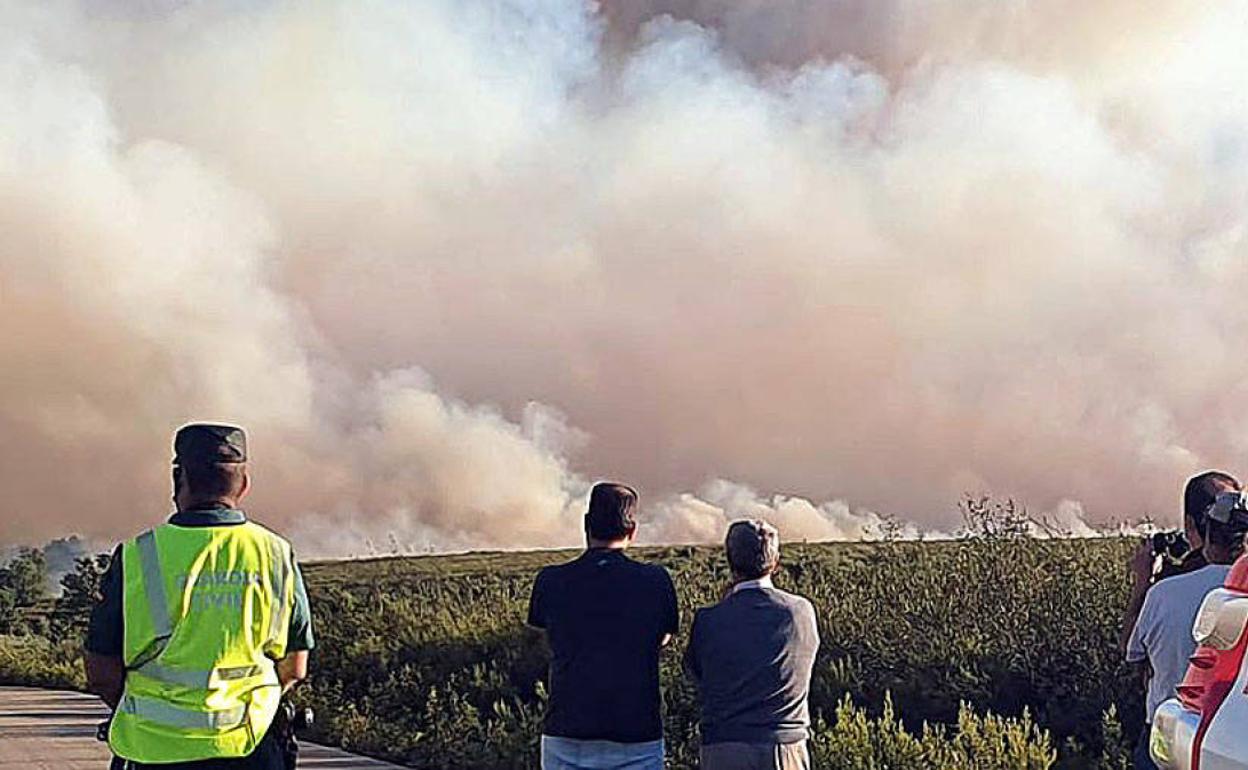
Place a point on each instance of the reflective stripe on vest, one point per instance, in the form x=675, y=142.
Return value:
x=154, y=585
x=201, y=680
x=280, y=577
x=162, y=712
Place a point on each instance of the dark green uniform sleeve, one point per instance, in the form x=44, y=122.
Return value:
x=105, y=632
x=300, y=636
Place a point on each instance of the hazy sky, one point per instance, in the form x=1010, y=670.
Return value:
x=451, y=261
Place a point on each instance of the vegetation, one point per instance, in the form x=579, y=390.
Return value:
x=79, y=588
x=997, y=650
x=21, y=587
x=31, y=659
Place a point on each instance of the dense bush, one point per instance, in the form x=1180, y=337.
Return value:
x=855, y=741
x=35, y=660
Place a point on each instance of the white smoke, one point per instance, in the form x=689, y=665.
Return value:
x=886, y=253
x=704, y=517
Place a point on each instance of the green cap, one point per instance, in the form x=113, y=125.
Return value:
x=207, y=444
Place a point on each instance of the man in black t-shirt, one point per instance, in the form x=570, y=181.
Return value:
x=606, y=618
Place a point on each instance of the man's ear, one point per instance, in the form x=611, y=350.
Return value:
x=246, y=485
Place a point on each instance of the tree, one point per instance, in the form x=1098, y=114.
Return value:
x=80, y=590
x=25, y=576
x=21, y=585
x=8, y=611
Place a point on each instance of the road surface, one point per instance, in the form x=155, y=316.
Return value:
x=55, y=730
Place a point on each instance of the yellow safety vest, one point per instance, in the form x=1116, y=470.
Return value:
x=207, y=612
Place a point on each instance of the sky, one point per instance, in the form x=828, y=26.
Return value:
x=450, y=262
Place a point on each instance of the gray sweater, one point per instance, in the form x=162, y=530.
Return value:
x=751, y=656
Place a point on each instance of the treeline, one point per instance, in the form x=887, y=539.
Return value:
x=41, y=633
x=27, y=608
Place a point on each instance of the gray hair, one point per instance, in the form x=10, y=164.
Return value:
x=753, y=548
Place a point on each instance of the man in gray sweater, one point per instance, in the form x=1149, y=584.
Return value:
x=751, y=656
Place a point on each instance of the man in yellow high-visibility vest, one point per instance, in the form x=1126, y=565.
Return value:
x=202, y=623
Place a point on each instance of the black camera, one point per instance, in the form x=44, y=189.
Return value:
x=1171, y=545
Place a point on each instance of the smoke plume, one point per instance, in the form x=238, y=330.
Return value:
x=450, y=261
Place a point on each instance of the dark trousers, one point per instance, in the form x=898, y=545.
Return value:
x=1141, y=759
x=267, y=756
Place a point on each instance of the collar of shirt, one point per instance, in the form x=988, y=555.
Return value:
x=763, y=582
x=602, y=555
x=609, y=551
x=208, y=517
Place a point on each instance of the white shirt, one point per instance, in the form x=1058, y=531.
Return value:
x=763, y=582
x=1163, y=632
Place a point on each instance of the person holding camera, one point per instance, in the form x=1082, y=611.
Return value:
x=1177, y=552
x=1161, y=637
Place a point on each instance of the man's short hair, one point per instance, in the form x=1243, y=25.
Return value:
x=610, y=514
x=753, y=548
x=213, y=481
x=1200, y=492
x=1228, y=536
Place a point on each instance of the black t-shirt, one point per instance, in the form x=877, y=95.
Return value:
x=605, y=616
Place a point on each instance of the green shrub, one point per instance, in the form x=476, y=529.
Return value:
x=1115, y=748
x=855, y=741
x=34, y=660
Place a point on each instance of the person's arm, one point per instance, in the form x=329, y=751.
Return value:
x=671, y=611
x=812, y=623
x=292, y=669
x=537, y=602
x=300, y=638
x=106, y=677
x=1141, y=566
x=1138, y=642
x=105, y=641
x=692, y=666
x=1141, y=637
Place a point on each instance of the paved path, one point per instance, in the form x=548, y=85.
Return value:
x=55, y=730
